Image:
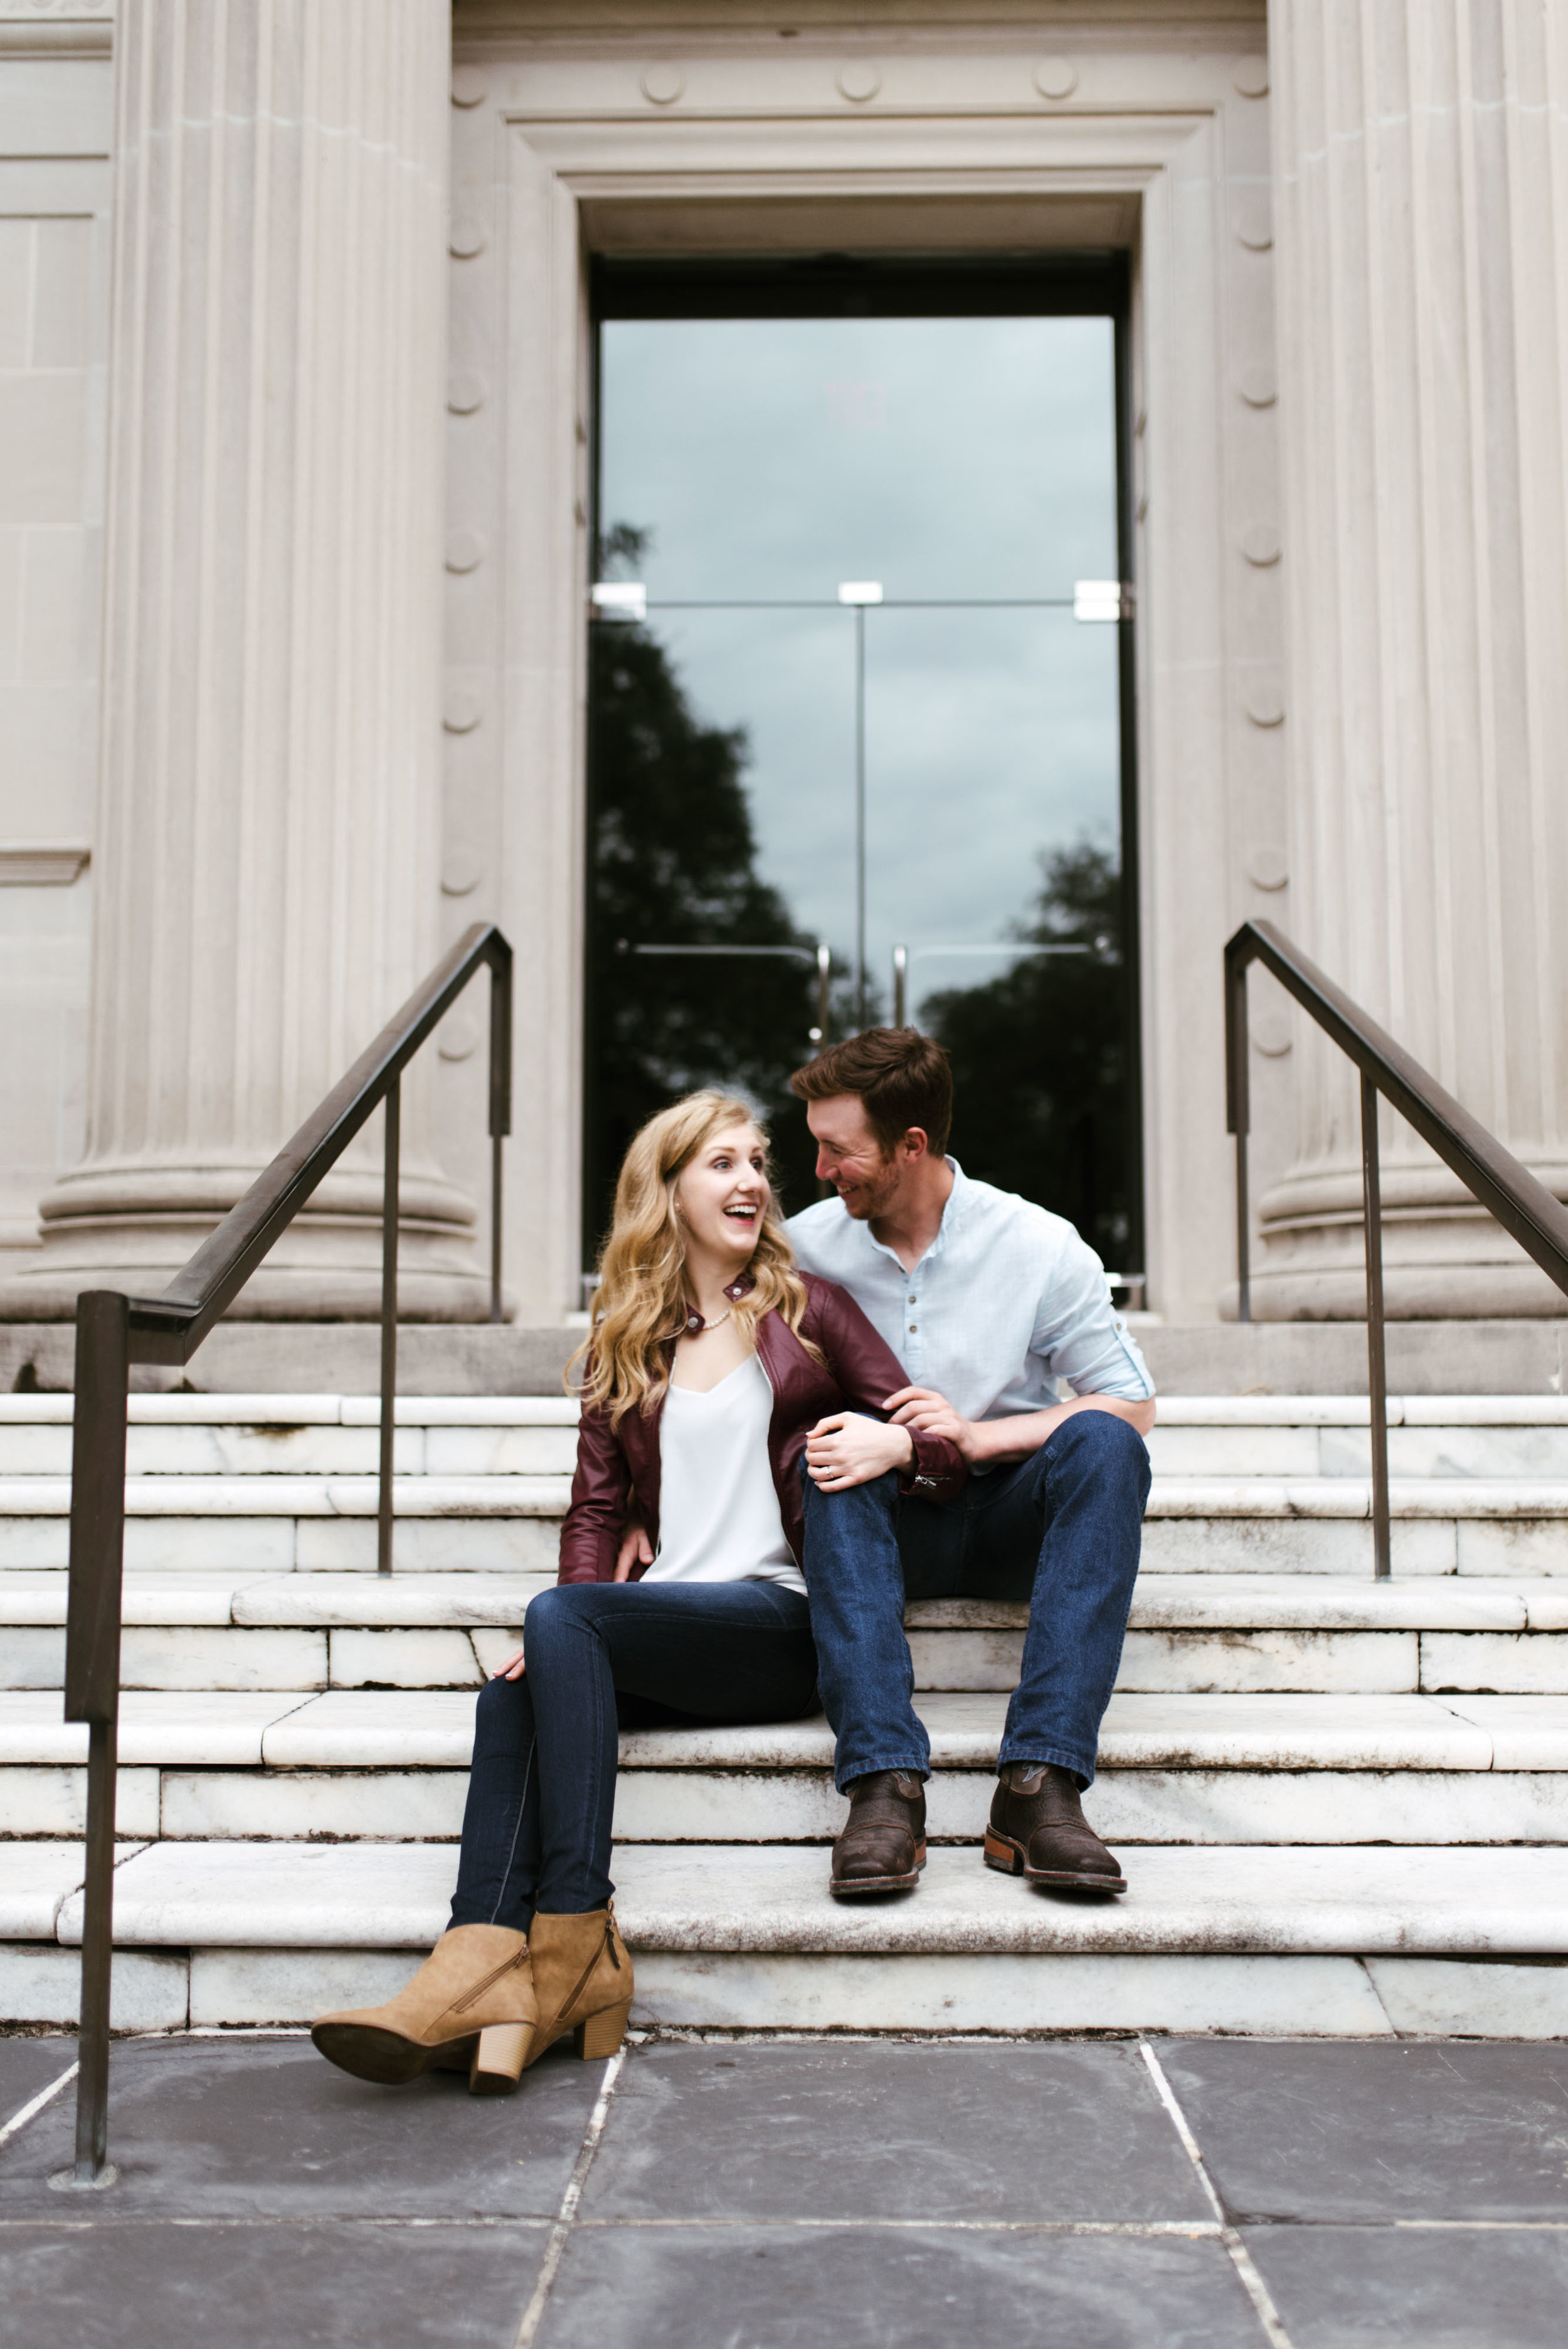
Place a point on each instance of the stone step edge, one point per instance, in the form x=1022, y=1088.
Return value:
x=1325, y=1604
x=238, y=1496
x=941, y=1997
x=1394, y=1899
x=551, y=1410
x=302, y=1729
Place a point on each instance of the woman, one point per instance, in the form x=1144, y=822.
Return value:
x=680, y=1595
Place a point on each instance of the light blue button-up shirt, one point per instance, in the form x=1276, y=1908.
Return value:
x=1005, y=1301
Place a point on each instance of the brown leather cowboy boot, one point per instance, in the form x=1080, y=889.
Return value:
x=882, y=1846
x=470, y=2007
x=1038, y=1825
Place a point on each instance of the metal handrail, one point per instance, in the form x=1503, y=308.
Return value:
x=1524, y=1206
x=114, y=1331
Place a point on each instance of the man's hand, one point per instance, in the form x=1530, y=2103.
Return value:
x=932, y=1415
x=635, y=1549
x=845, y=1449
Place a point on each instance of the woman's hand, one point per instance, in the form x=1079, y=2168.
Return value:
x=846, y=1449
x=635, y=1549
x=512, y=1670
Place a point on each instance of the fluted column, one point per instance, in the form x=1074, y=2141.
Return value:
x=1421, y=192
x=266, y=852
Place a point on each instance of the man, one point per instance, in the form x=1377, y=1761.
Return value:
x=987, y=1300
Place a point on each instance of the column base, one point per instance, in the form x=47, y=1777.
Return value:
x=135, y=1229
x=1444, y=1257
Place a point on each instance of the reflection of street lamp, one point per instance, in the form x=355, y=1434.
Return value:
x=902, y=958
x=618, y=599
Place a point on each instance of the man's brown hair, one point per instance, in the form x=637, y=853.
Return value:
x=902, y=1078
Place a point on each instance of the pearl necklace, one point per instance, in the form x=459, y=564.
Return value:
x=695, y=1324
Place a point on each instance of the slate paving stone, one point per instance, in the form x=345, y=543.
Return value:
x=864, y=2131
x=243, y=2128
x=864, y=2288
x=1330, y=2130
x=26, y=2065
x=1432, y=2288
x=151, y=2285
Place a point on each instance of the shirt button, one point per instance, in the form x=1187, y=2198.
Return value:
x=912, y=1300
x=913, y=1327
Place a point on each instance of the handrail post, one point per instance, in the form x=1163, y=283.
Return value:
x=1376, y=1371
x=1238, y=1109
x=388, y=1325
x=500, y=1110
x=92, y=1677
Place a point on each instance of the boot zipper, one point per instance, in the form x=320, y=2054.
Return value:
x=480, y=1989
x=581, y=1982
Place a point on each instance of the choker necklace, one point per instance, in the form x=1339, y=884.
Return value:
x=695, y=1324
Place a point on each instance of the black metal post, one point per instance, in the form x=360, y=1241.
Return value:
x=1238, y=1109
x=92, y=1677
x=388, y=1325
x=499, y=1109
x=1376, y=1370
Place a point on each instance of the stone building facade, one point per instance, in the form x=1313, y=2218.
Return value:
x=295, y=422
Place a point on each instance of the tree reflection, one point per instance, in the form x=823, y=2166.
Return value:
x=673, y=862
x=1040, y=1058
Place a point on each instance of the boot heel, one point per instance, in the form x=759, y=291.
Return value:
x=602, y=2034
x=1002, y=1855
x=500, y=2053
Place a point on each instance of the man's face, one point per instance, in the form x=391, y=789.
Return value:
x=851, y=1159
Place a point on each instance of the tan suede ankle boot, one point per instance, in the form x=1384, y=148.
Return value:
x=472, y=1999
x=582, y=1980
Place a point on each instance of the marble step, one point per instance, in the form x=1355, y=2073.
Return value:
x=328, y=1436
x=371, y=1729
x=1366, y=1942
x=510, y=1525
x=1184, y=1660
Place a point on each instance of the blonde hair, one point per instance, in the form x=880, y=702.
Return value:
x=640, y=1306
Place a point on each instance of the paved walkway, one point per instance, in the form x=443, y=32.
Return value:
x=1222, y=2194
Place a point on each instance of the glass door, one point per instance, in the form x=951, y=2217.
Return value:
x=858, y=715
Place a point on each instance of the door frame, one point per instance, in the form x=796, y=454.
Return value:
x=559, y=156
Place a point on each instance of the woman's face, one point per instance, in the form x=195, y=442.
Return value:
x=721, y=1193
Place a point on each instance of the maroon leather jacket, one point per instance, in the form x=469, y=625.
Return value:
x=857, y=1372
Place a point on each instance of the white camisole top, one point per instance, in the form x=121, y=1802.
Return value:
x=718, y=1511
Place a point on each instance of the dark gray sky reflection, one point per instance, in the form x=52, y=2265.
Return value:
x=947, y=457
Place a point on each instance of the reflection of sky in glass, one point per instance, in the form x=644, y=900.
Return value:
x=947, y=457
x=942, y=456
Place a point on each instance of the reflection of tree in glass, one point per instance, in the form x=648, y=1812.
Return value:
x=1041, y=1058
x=672, y=864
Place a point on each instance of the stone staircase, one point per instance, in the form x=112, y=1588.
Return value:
x=1343, y=1805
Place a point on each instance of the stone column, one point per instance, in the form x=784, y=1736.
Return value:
x=1421, y=197
x=266, y=860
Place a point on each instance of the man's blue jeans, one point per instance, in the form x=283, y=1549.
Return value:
x=1061, y=1529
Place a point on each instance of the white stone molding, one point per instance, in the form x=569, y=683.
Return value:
x=1421, y=157
x=41, y=863
x=266, y=847
x=1154, y=148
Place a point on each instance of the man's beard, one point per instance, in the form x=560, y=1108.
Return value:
x=871, y=1199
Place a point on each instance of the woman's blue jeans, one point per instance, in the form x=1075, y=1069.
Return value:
x=601, y=1655
x=1061, y=1529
